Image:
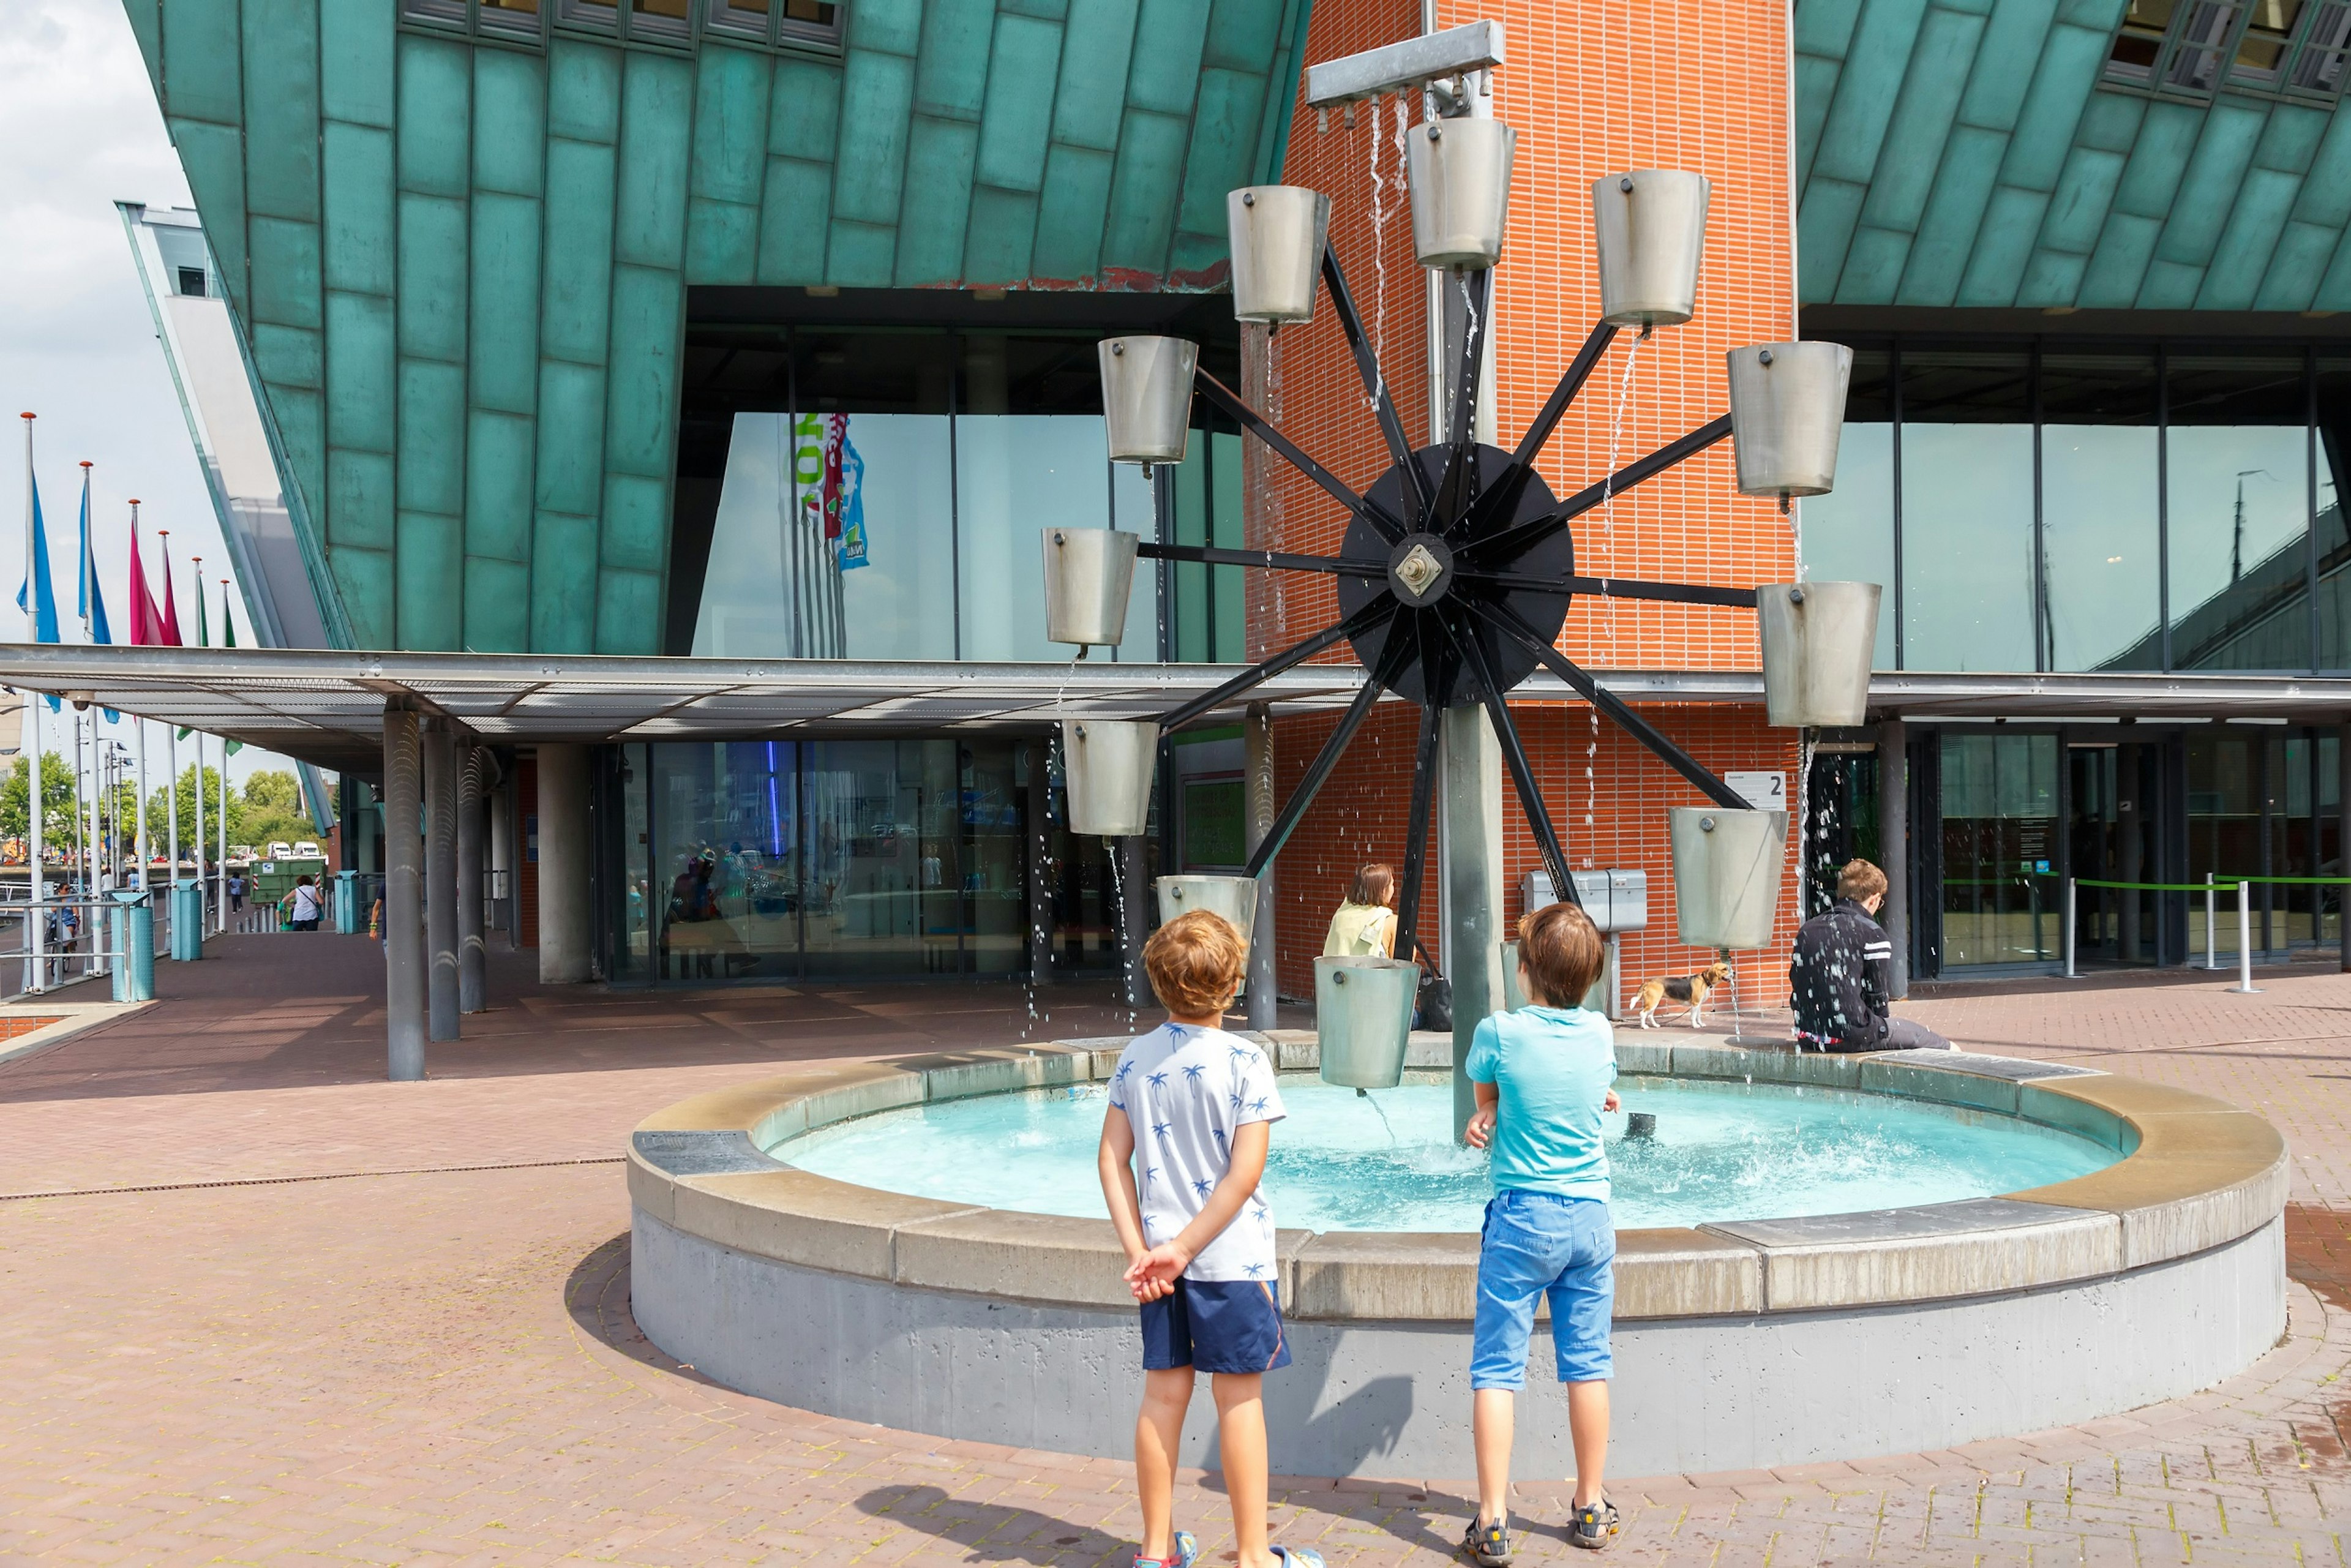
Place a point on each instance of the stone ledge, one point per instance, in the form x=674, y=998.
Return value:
x=2197, y=1174
x=1978, y=1246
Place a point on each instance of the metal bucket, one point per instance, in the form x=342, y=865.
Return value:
x=1818, y=638
x=1460, y=172
x=1089, y=577
x=1148, y=397
x=1109, y=765
x=1728, y=867
x=1363, y=1014
x=1234, y=898
x=1276, y=234
x=1787, y=407
x=1649, y=226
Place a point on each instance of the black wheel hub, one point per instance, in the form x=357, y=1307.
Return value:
x=1423, y=652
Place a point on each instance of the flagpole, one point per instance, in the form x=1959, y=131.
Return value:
x=204, y=638
x=220, y=864
x=170, y=755
x=36, y=975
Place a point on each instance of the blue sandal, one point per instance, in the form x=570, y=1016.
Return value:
x=1299, y=1557
x=1187, y=1552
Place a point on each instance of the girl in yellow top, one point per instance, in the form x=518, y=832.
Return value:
x=1366, y=924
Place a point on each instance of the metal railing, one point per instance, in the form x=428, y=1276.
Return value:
x=2210, y=890
x=75, y=946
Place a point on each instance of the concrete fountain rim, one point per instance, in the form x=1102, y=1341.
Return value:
x=2196, y=1174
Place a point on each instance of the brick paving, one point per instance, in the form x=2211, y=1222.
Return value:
x=438, y=1367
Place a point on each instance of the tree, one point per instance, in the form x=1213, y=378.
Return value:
x=56, y=800
x=159, y=814
x=271, y=810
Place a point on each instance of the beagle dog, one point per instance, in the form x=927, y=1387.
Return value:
x=1690, y=989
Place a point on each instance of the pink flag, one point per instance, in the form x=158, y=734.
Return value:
x=167, y=624
x=143, y=617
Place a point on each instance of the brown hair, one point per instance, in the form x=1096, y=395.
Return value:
x=1860, y=880
x=1195, y=962
x=1561, y=951
x=1375, y=883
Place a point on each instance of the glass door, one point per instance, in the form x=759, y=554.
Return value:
x=2002, y=897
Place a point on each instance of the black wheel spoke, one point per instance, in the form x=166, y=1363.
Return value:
x=1503, y=497
x=1512, y=542
x=1614, y=588
x=1415, y=832
x=1455, y=492
x=1276, y=560
x=1514, y=756
x=1309, y=786
x=1579, y=371
x=1607, y=702
x=1388, y=525
x=1371, y=615
x=1375, y=385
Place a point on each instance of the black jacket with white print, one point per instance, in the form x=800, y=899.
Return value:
x=1841, y=977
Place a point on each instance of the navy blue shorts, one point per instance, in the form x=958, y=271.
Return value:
x=1215, y=1325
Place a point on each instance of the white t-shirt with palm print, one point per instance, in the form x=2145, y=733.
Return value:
x=1186, y=1090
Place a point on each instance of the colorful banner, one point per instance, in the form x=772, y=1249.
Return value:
x=849, y=553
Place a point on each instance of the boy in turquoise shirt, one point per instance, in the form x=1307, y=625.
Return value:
x=1543, y=1077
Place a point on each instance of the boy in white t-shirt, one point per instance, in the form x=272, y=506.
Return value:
x=1197, y=1105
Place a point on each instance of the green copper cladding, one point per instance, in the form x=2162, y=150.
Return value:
x=1964, y=152
x=462, y=268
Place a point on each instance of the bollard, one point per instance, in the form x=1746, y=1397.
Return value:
x=2069, y=928
x=2211, y=940
x=137, y=973
x=346, y=903
x=115, y=931
x=2244, y=986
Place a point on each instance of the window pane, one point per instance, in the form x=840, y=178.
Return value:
x=2198, y=38
x=2099, y=528
x=587, y=14
x=2269, y=33
x=774, y=587
x=2238, y=515
x=1847, y=535
x=2318, y=68
x=1966, y=512
x=447, y=13
x=723, y=842
x=658, y=18
x=1131, y=508
x=510, y=19
x=2334, y=544
x=1017, y=474
x=2139, y=42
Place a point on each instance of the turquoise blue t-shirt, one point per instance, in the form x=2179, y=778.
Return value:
x=1553, y=1067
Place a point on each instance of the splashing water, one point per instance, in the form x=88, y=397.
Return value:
x=1379, y=249
x=1721, y=1151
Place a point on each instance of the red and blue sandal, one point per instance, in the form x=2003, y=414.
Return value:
x=1188, y=1553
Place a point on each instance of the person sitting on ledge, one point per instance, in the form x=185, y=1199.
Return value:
x=1842, y=976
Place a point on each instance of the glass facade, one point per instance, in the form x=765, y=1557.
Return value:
x=893, y=506
x=884, y=859
x=2091, y=508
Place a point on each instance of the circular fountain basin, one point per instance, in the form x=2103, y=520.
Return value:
x=1819, y=1257
x=1718, y=1150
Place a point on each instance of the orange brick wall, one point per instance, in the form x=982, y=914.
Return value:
x=1590, y=93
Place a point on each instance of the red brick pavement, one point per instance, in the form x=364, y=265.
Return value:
x=439, y=1367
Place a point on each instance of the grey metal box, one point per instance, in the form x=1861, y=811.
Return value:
x=1616, y=900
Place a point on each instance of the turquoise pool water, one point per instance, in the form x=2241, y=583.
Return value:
x=1387, y=1161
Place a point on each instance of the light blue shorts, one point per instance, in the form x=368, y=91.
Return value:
x=1534, y=1244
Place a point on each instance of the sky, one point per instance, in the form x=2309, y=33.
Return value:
x=77, y=339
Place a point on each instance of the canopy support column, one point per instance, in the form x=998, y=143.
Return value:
x=404, y=897
x=441, y=877
x=472, y=957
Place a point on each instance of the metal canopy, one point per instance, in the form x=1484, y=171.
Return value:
x=327, y=707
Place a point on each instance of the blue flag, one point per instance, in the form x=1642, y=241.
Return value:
x=45, y=617
x=93, y=598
